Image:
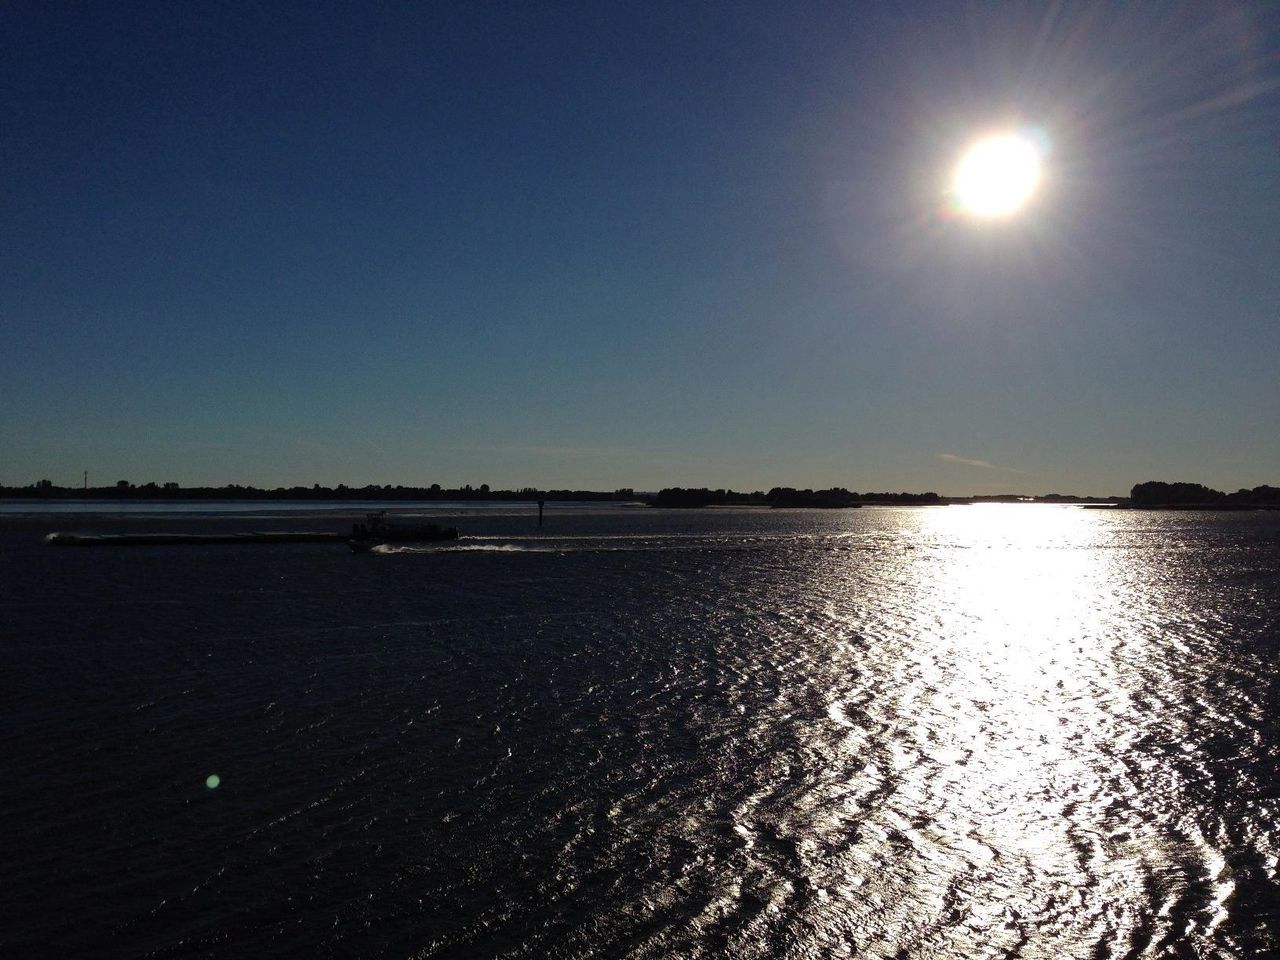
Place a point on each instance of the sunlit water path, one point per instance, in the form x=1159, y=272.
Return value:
x=946, y=732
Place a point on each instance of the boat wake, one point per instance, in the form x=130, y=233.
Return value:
x=625, y=544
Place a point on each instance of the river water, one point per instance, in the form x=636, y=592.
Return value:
x=952, y=732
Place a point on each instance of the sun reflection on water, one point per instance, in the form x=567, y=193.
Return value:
x=1008, y=715
x=1022, y=596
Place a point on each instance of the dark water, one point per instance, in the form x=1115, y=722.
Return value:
x=948, y=732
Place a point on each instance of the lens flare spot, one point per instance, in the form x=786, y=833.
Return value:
x=212, y=781
x=997, y=175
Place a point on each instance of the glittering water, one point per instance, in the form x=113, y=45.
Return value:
x=945, y=732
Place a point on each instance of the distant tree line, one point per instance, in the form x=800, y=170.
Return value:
x=1157, y=493
x=685, y=497
x=1152, y=493
x=782, y=497
x=124, y=490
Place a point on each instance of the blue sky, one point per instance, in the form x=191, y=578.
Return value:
x=604, y=244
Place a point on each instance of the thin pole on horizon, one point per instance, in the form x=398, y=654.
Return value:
x=541, y=504
x=86, y=479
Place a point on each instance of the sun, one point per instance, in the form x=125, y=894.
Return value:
x=997, y=175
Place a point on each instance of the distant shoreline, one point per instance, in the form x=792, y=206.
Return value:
x=367, y=494
x=1150, y=495
x=1190, y=507
x=678, y=498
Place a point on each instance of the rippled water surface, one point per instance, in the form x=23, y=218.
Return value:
x=945, y=732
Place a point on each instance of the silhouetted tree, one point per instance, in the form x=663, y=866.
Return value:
x=1158, y=493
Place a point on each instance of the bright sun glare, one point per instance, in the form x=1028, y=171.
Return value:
x=997, y=175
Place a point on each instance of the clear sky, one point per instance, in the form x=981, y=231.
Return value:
x=637, y=244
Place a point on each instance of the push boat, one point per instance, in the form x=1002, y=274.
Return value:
x=377, y=529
